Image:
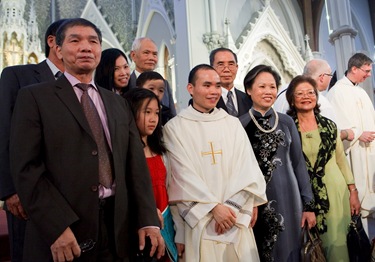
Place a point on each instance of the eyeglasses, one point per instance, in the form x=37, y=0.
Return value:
x=231, y=67
x=325, y=74
x=300, y=94
x=365, y=71
x=87, y=245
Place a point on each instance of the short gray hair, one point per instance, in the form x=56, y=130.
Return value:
x=138, y=41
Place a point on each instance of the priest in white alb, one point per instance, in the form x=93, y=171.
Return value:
x=215, y=182
x=355, y=117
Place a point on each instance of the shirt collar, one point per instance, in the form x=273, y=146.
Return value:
x=52, y=66
x=73, y=80
x=354, y=84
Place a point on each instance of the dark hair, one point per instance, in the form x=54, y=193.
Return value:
x=136, y=97
x=221, y=49
x=193, y=73
x=146, y=76
x=253, y=73
x=51, y=30
x=292, y=88
x=104, y=74
x=69, y=23
x=358, y=60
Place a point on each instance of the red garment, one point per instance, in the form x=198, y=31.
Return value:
x=158, y=177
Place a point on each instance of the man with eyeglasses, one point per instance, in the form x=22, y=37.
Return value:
x=232, y=100
x=320, y=71
x=355, y=116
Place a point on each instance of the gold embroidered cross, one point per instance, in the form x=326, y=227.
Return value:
x=212, y=153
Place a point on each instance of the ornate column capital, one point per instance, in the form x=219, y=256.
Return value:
x=342, y=31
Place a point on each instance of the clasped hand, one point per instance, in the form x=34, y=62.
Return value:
x=367, y=137
x=225, y=218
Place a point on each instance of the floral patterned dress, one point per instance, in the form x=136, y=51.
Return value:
x=279, y=155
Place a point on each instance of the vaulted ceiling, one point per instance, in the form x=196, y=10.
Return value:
x=312, y=12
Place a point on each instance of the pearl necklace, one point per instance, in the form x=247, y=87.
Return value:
x=261, y=128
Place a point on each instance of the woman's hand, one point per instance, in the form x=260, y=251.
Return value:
x=310, y=218
x=355, y=205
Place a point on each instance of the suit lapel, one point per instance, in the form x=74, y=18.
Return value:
x=244, y=102
x=132, y=80
x=110, y=113
x=221, y=104
x=240, y=102
x=67, y=95
x=43, y=73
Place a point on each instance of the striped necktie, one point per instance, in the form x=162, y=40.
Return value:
x=104, y=153
x=230, y=105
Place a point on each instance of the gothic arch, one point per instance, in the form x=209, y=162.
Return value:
x=363, y=37
x=293, y=24
x=273, y=45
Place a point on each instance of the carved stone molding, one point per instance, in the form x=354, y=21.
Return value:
x=213, y=40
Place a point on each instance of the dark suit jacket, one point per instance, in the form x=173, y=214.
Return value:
x=167, y=98
x=55, y=168
x=12, y=79
x=244, y=103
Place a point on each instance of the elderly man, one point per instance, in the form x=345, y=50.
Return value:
x=145, y=56
x=80, y=170
x=320, y=71
x=232, y=100
x=356, y=118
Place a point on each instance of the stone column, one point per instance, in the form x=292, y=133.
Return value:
x=343, y=33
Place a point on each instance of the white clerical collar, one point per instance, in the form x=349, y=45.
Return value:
x=209, y=112
x=354, y=84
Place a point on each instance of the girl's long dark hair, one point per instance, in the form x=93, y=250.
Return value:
x=136, y=97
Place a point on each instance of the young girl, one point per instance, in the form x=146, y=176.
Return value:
x=145, y=106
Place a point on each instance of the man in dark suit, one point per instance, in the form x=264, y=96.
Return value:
x=225, y=61
x=145, y=56
x=56, y=159
x=12, y=79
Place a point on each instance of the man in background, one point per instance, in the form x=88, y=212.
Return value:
x=355, y=117
x=12, y=79
x=145, y=56
x=320, y=71
x=232, y=100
